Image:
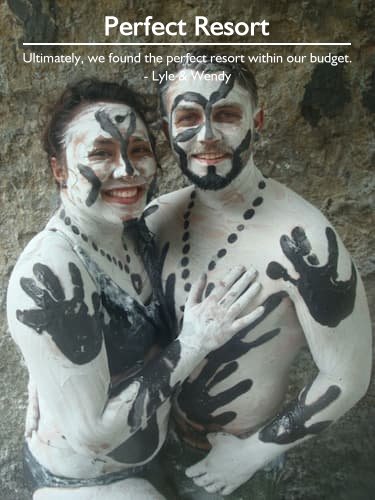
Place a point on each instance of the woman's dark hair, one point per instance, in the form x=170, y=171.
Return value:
x=86, y=91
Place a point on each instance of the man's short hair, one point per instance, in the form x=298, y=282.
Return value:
x=240, y=72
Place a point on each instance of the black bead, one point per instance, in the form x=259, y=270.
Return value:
x=209, y=289
x=84, y=237
x=182, y=308
x=261, y=185
x=221, y=253
x=67, y=221
x=186, y=248
x=186, y=224
x=114, y=260
x=258, y=201
x=94, y=246
x=128, y=259
x=211, y=265
x=185, y=236
x=186, y=215
x=191, y=204
x=232, y=238
x=185, y=274
x=75, y=229
x=120, y=265
x=187, y=287
x=184, y=261
x=240, y=227
x=248, y=214
x=109, y=257
x=102, y=252
x=126, y=268
x=62, y=214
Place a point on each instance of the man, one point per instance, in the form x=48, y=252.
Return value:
x=311, y=291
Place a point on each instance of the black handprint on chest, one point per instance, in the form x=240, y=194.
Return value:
x=200, y=399
x=328, y=300
x=76, y=332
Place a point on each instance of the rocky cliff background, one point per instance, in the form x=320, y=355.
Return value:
x=318, y=139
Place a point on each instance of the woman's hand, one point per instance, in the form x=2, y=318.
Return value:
x=211, y=322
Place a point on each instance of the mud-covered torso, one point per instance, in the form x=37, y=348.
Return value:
x=105, y=333
x=242, y=384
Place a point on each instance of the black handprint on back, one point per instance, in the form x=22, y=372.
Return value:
x=328, y=300
x=77, y=334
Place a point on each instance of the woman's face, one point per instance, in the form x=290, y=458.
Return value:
x=109, y=160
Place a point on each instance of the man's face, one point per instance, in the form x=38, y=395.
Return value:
x=210, y=127
x=110, y=162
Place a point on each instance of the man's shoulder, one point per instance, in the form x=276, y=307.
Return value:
x=160, y=211
x=291, y=206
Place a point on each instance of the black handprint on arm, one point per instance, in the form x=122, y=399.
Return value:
x=328, y=300
x=77, y=333
x=289, y=425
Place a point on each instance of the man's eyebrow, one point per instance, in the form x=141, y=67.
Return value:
x=138, y=138
x=188, y=106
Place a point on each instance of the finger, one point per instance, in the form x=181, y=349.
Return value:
x=247, y=320
x=37, y=319
x=76, y=281
x=333, y=251
x=29, y=286
x=214, y=488
x=52, y=283
x=196, y=470
x=244, y=301
x=204, y=480
x=196, y=292
x=228, y=490
x=229, y=279
x=238, y=288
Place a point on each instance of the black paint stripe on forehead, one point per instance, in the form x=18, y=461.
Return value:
x=189, y=97
x=108, y=126
x=222, y=91
x=88, y=174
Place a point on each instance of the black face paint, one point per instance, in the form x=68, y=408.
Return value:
x=289, y=426
x=89, y=174
x=328, y=300
x=76, y=333
x=108, y=126
x=211, y=181
x=220, y=365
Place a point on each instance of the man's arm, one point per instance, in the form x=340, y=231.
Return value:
x=318, y=275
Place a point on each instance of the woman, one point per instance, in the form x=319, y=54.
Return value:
x=102, y=368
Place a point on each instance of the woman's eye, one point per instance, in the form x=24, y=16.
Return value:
x=99, y=154
x=140, y=150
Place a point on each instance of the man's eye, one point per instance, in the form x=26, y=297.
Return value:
x=99, y=154
x=227, y=116
x=187, y=119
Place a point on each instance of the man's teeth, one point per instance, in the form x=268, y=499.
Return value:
x=123, y=193
x=211, y=156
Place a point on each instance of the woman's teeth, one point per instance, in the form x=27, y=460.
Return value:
x=123, y=193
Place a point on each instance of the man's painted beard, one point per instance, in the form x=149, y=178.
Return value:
x=234, y=146
x=213, y=181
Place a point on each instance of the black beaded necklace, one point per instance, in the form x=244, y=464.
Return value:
x=231, y=239
x=136, y=279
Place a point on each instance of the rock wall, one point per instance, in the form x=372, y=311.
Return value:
x=318, y=139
